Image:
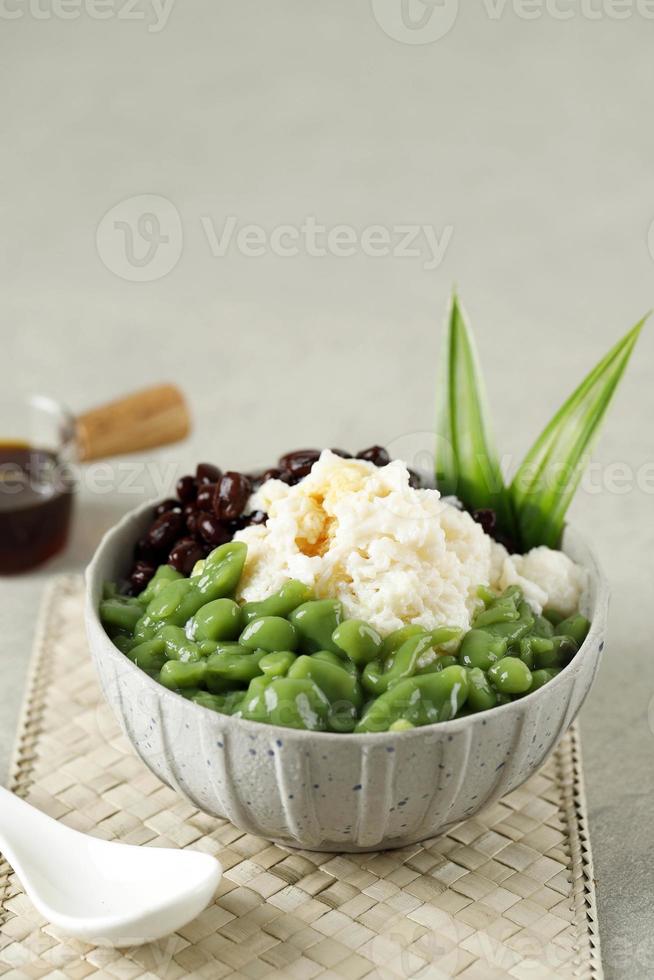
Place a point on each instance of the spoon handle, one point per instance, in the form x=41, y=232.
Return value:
x=152, y=417
x=29, y=839
x=18, y=821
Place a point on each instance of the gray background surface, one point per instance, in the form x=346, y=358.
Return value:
x=531, y=139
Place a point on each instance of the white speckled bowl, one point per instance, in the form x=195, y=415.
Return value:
x=333, y=792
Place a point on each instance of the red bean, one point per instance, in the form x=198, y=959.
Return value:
x=343, y=453
x=486, y=517
x=231, y=496
x=165, y=505
x=257, y=517
x=376, y=455
x=257, y=478
x=414, y=479
x=191, y=517
x=207, y=473
x=272, y=473
x=165, y=530
x=299, y=462
x=140, y=575
x=236, y=525
x=206, y=496
x=144, y=550
x=212, y=530
x=184, y=554
x=276, y=474
x=186, y=489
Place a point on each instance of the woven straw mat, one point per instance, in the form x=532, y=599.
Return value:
x=508, y=893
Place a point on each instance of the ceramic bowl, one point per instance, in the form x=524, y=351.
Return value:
x=331, y=792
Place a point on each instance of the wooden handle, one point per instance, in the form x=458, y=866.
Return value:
x=148, y=418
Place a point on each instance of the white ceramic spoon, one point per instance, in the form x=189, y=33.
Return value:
x=103, y=892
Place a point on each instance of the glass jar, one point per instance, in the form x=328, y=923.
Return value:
x=37, y=450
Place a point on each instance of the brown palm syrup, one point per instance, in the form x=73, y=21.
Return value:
x=36, y=499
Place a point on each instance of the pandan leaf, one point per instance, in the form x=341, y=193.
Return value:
x=547, y=479
x=466, y=460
